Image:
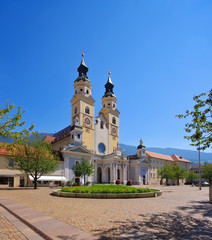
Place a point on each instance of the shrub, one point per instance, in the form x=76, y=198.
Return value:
x=118, y=181
x=69, y=183
x=88, y=183
x=62, y=184
x=129, y=183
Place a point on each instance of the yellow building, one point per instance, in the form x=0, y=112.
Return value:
x=100, y=136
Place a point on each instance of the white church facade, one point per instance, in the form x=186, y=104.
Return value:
x=97, y=139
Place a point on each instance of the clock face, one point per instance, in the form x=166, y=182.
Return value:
x=87, y=121
x=114, y=131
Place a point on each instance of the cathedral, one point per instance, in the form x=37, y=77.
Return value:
x=97, y=138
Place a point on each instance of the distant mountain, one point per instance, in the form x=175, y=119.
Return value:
x=130, y=150
x=187, y=154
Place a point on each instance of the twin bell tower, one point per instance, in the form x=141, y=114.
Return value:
x=100, y=137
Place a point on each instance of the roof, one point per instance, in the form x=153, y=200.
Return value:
x=3, y=150
x=62, y=133
x=49, y=139
x=172, y=158
x=179, y=159
x=202, y=165
x=159, y=156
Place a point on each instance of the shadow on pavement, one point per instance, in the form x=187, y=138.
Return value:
x=201, y=207
x=165, y=226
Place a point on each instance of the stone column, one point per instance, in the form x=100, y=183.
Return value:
x=95, y=172
x=124, y=174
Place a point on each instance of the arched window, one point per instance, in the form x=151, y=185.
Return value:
x=75, y=91
x=114, y=120
x=87, y=91
x=87, y=110
x=78, y=135
x=75, y=110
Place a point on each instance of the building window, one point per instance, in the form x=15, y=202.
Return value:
x=114, y=120
x=102, y=125
x=11, y=163
x=75, y=110
x=87, y=91
x=108, y=104
x=72, y=136
x=114, y=105
x=101, y=148
x=78, y=135
x=87, y=110
x=75, y=91
x=77, y=162
x=81, y=89
x=104, y=105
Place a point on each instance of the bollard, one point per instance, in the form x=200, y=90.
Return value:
x=210, y=194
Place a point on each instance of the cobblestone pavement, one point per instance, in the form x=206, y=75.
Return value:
x=182, y=212
x=8, y=231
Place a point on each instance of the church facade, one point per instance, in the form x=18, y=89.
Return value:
x=97, y=138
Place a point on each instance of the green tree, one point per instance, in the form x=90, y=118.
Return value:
x=200, y=127
x=84, y=168
x=11, y=123
x=191, y=176
x=166, y=173
x=179, y=173
x=34, y=157
x=207, y=172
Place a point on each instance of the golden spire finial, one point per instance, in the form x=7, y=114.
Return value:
x=83, y=53
x=109, y=72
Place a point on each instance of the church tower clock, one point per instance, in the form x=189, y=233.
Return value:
x=111, y=114
x=83, y=107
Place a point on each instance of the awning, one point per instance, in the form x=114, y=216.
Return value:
x=50, y=178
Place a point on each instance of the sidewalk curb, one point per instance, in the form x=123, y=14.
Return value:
x=45, y=226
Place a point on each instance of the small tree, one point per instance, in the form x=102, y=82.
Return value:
x=200, y=128
x=33, y=157
x=191, y=176
x=207, y=172
x=11, y=122
x=179, y=173
x=84, y=168
x=166, y=173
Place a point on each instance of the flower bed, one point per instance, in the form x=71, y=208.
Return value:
x=106, y=191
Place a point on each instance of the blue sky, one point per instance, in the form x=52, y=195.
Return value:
x=159, y=53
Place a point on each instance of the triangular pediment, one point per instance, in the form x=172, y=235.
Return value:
x=78, y=149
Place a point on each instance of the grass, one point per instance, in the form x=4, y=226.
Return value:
x=106, y=189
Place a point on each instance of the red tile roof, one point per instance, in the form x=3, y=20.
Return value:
x=3, y=149
x=179, y=159
x=159, y=156
x=49, y=139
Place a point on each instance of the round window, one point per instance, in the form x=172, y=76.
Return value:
x=101, y=148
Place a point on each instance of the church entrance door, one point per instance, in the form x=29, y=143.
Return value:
x=99, y=175
x=144, y=179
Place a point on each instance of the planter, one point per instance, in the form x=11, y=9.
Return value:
x=107, y=195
